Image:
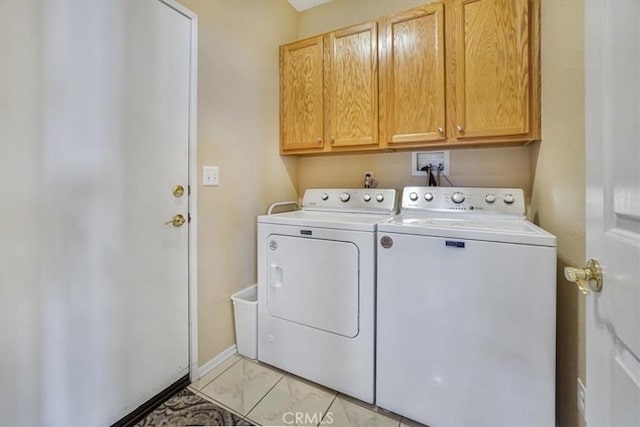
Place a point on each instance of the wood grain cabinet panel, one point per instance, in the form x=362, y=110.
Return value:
x=301, y=95
x=492, y=69
x=353, y=86
x=456, y=73
x=412, y=75
x=329, y=92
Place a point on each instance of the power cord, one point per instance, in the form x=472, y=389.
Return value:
x=439, y=173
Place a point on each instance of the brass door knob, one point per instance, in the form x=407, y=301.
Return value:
x=176, y=221
x=178, y=190
x=588, y=278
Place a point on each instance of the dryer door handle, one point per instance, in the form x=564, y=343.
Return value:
x=275, y=276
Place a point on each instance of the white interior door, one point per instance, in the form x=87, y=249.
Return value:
x=94, y=134
x=613, y=210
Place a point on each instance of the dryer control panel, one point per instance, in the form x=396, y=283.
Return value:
x=470, y=200
x=357, y=200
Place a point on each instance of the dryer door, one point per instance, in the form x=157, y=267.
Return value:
x=314, y=282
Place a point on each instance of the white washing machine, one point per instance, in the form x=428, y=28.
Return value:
x=316, y=288
x=466, y=310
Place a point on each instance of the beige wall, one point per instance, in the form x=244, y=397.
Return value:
x=558, y=165
x=341, y=13
x=490, y=167
x=237, y=131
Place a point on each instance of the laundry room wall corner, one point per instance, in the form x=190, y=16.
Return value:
x=238, y=132
x=558, y=182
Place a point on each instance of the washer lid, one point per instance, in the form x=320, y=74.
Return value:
x=494, y=230
x=334, y=220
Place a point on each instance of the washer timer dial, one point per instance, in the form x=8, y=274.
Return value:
x=457, y=197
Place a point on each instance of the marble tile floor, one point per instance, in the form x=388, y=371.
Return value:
x=263, y=395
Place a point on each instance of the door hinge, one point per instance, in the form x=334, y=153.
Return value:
x=189, y=217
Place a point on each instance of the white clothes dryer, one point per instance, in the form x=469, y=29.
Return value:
x=466, y=310
x=316, y=288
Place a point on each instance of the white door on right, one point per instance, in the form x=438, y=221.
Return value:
x=612, y=52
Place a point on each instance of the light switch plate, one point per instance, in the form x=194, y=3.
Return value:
x=210, y=175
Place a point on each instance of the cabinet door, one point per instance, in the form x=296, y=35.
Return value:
x=301, y=95
x=489, y=66
x=353, y=86
x=412, y=76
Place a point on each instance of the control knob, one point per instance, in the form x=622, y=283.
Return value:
x=379, y=197
x=344, y=197
x=413, y=196
x=509, y=199
x=490, y=198
x=366, y=197
x=457, y=197
x=428, y=197
x=324, y=196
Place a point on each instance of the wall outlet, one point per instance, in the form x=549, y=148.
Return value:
x=210, y=175
x=369, y=180
x=368, y=177
x=420, y=159
x=582, y=396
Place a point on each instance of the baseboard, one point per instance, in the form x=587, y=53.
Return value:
x=216, y=360
x=147, y=407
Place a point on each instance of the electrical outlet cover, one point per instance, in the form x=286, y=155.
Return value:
x=210, y=175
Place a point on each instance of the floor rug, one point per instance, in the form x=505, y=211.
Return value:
x=188, y=409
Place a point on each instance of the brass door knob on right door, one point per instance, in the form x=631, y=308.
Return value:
x=588, y=278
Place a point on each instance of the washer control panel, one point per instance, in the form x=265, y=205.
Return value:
x=493, y=201
x=365, y=200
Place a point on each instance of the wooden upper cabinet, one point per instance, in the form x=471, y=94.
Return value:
x=329, y=92
x=412, y=77
x=301, y=95
x=352, y=60
x=493, y=70
x=451, y=73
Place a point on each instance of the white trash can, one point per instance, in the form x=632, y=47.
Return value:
x=245, y=312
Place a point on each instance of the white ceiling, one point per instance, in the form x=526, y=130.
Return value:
x=301, y=5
